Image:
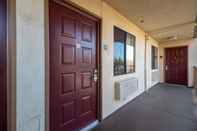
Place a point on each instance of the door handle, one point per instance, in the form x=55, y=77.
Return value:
x=94, y=76
x=166, y=67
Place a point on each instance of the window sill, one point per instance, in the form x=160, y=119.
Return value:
x=155, y=70
x=124, y=75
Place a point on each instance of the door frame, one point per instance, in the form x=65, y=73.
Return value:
x=93, y=17
x=4, y=54
x=186, y=46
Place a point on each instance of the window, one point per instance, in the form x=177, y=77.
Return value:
x=124, y=52
x=154, y=51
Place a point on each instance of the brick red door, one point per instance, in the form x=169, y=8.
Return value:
x=3, y=72
x=176, y=65
x=73, y=92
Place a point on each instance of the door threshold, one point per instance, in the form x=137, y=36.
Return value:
x=90, y=126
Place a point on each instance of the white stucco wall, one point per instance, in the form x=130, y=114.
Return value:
x=161, y=63
x=111, y=18
x=192, y=53
x=30, y=65
x=152, y=78
x=192, y=59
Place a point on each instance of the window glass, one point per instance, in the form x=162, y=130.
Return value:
x=124, y=52
x=154, y=57
x=130, y=53
x=119, y=52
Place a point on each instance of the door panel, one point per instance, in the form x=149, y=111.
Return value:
x=176, y=65
x=3, y=67
x=73, y=92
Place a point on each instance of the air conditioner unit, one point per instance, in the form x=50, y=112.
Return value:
x=125, y=88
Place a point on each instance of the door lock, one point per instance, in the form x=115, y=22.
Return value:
x=166, y=67
x=95, y=75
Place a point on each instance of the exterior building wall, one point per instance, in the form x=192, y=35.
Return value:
x=111, y=17
x=31, y=60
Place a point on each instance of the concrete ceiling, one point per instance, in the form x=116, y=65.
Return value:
x=164, y=20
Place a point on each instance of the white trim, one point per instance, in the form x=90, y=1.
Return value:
x=90, y=126
x=155, y=70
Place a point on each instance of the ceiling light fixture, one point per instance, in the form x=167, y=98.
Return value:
x=141, y=21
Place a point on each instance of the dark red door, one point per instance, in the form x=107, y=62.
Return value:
x=73, y=92
x=176, y=65
x=3, y=72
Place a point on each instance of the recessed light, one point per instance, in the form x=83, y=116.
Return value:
x=172, y=38
x=142, y=21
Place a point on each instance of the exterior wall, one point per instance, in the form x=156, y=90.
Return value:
x=192, y=61
x=30, y=65
x=111, y=17
x=161, y=63
x=30, y=61
x=152, y=75
x=94, y=7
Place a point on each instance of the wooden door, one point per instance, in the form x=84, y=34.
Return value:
x=3, y=72
x=73, y=92
x=176, y=68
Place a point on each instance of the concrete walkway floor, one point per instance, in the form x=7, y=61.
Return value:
x=165, y=107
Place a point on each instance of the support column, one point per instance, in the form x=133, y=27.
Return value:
x=30, y=64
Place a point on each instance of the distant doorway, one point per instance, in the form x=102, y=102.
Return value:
x=176, y=65
x=3, y=66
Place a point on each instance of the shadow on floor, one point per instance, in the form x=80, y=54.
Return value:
x=165, y=107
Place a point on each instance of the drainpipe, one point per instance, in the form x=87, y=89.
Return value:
x=145, y=62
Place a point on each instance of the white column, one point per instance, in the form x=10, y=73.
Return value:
x=30, y=65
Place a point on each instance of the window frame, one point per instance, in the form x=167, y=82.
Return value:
x=125, y=52
x=154, y=57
